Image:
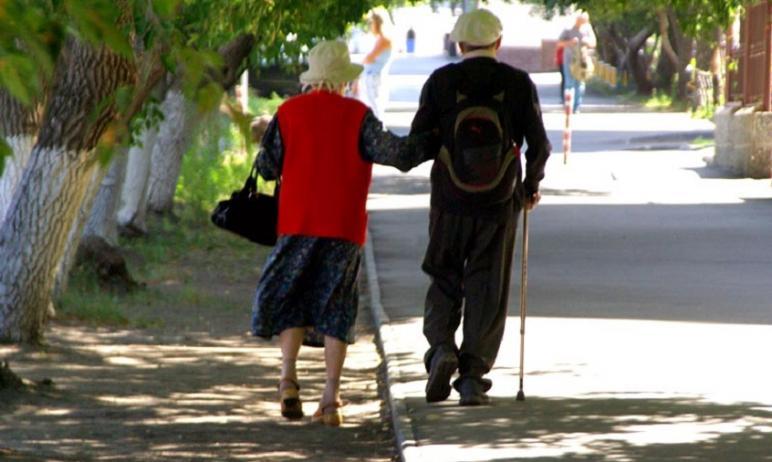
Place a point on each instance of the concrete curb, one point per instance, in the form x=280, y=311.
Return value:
x=409, y=451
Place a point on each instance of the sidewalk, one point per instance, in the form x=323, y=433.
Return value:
x=650, y=317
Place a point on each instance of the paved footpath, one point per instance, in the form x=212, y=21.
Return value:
x=650, y=304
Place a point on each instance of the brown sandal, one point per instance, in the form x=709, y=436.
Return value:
x=289, y=398
x=329, y=414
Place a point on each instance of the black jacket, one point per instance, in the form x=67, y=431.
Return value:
x=438, y=99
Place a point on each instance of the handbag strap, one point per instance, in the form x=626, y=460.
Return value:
x=253, y=172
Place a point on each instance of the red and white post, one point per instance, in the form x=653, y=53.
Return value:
x=568, y=99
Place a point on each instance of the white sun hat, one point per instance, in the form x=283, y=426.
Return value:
x=329, y=62
x=477, y=28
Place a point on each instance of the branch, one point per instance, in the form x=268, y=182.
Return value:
x=637, y=40
x=664, y=32
x=233, y=54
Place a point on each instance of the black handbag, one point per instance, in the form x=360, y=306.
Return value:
x=249, y=213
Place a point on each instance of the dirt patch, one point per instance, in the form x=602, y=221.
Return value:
x=194, y=387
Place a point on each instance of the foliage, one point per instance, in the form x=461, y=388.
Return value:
x=213, y=167
x=170, y=33
x=264, y=106
x=698, y=18
x=218, y=162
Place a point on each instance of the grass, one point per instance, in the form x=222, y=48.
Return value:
x=700, y=142
x=177, y=257
x=86, y=302
x=658, y=101
x=172, y=263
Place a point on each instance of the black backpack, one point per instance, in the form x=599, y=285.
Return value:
x=479, y=152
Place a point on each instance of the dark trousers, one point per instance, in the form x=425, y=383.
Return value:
x=469, y=260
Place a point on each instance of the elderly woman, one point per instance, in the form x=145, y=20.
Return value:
x=321, y=146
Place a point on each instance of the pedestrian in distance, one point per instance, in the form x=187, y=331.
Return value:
x=559, y=63
x=576, y=42
x=321, y=146
x=375, y=63
x=484, y=111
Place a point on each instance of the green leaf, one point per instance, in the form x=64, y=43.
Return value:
x=165, y=8
x=11, y=79
x=5, y=151
x=208, y=97
x=123, y=98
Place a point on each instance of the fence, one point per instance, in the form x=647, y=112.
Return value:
x=610, y=75
x=749, y=72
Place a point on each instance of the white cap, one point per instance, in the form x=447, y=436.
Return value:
x=329, y=62
x=477, y=28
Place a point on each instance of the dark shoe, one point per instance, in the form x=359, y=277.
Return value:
x=473, y=391
x=443, y=365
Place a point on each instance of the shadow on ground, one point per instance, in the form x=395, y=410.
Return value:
x=604, y=429
x=173, y=394
x=113, y=398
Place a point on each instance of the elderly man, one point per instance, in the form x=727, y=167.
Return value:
x=484, y=110
x=572, y=40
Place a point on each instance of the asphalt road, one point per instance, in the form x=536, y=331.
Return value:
x=650, y=301
x=634, y=227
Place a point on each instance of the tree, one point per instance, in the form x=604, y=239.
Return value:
x=678, y=24
x=92, y=65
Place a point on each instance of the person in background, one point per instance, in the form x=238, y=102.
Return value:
x=374, y=63
x=571, y=39
x=484, y=110
x=559, y=63
x=321, y=146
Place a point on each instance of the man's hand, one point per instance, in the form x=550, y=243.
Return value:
x=532, y=200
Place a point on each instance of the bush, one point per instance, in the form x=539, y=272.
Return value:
x=217, y=162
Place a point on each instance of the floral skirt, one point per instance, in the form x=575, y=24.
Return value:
x=309, y=282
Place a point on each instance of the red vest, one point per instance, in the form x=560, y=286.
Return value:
x=324, y=179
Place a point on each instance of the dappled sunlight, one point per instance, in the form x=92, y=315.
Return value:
x=132, y=400
x=117, y=392
x=570, y=428
x=639, y=391
x=126, y=361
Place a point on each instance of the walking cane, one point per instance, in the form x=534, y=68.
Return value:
x=523, y=306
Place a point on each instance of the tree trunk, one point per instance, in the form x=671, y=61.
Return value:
x=47, y=200
x=174, y=137
x=131, y=215
x=180, y=119
x=102, y=221
x=95, y=229
x=18, y=126
x=76, y=231
x=717, y=66
x=639, y=66
x=679, y=53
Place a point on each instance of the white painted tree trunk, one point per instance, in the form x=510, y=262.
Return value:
x=46, y=202
x=67, y=260
x=14, y=168
x=19, y=125
x=96, y=217
x=132, y=212
x=102, y=220
x=34, y=236
x=181, y=118
x=174, y=137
